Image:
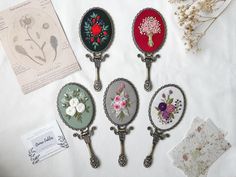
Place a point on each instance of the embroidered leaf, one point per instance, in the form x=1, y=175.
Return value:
x=170, y=100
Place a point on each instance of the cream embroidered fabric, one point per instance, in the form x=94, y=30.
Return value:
x=201, y=147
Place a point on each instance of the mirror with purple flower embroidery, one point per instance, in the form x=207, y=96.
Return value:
x=167, y=107
x=166, y=110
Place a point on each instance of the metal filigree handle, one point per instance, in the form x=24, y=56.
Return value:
x=97, y=58
x=148, y=58
x=85, y=135
x=157, y=135
x=122, y=131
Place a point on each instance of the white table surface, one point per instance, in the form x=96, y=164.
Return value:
x=208, y=79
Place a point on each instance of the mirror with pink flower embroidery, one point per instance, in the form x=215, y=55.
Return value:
x=121, y=105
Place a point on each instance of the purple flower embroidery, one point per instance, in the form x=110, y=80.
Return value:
x=168, y=108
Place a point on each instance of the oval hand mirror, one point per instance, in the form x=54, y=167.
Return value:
x=149, y=34
x=76, y=108
x=96, y=33
x=166, y=110
x=121, y=104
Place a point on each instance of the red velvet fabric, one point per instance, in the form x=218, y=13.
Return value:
x=141, y=39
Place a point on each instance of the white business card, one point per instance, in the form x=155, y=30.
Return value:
x=44, y=142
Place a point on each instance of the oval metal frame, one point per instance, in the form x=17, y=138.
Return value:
x=112, y=26
x=152, y=99
x=92, y=100
x=104, y=101
x=164, y=22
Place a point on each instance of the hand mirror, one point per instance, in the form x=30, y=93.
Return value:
x=96, y=33
x=76, y=108
x=149, y=34
x=166, y=110
x=121, y=105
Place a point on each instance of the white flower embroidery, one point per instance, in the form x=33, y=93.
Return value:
x=70, y=111
x=80, y=107
x=74, y=102
x=75, y=106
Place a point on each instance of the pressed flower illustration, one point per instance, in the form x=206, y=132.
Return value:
x=168, y=108
x=96, y=30
x=74, y=103
x=149, y=27
x=121, y=102
x=27, y=22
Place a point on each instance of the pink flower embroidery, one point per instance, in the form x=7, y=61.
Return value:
x=123, y=104
x=170, y=108
x=117, y=98
x=116, y=107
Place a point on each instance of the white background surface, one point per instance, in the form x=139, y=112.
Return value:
x=207, y=78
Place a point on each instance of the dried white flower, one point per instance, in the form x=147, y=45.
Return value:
x=195, y=17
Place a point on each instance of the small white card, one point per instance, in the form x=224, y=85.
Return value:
x=44, y=142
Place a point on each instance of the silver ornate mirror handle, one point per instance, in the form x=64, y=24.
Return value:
x=157, y=135
x=148, y=58
x=97, y=58
x=85, y=135
x=122, y=132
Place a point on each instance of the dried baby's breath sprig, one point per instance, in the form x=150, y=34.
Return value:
x=195, y=17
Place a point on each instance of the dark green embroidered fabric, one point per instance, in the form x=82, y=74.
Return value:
x=96, y=30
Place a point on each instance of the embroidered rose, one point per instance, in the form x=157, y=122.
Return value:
x=80, y=107
x=123, y=104
x=117, y=98
x=116, y=107
x=170, y=108
x=70, y=111
x=74, y=102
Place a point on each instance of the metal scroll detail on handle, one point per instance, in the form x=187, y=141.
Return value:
x=86, y=136
x=148, y=58
x=122, y=131
x=157, y=136
x=97, y=58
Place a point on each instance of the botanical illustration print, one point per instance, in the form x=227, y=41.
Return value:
x=96, y=30
x=202, y=146
x=121, y=102
x=149, y=27
x=35, y=41
x=74, y=103
x=168, y=107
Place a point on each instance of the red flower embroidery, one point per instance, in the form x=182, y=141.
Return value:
x=96, y=29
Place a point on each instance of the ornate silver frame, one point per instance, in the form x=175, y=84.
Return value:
x=98, y=57
x=121, y=130
x=159, y=134
x=146, y=57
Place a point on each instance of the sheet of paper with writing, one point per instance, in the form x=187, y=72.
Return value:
x=36, y=44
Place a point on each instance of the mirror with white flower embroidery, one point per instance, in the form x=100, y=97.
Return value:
x=76, y=108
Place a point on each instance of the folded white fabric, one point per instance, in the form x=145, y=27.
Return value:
x=202, y=146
